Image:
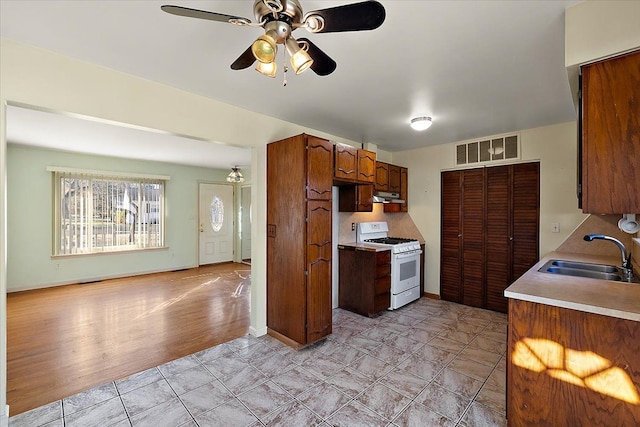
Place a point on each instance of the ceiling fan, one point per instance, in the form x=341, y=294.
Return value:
x=280, y=18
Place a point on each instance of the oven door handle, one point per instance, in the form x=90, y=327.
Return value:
x=407, y=254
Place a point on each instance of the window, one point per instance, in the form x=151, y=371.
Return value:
x=97, y=213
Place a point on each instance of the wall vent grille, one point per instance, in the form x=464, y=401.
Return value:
x=490, y=149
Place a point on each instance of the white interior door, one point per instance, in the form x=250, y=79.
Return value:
x=216, y=215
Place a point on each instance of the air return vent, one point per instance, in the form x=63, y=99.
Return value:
x=491, y=149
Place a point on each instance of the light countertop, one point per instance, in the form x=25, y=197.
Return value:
x=609, y=298
x=364, y=247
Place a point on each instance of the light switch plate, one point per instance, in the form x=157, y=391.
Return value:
x=555, y=227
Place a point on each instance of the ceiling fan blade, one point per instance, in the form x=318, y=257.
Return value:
x=322, y=65
x=201, y=14
x=245, y=60
x=366, y=15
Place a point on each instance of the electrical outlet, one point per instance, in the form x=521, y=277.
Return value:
x=555, y=227
x=353, y=226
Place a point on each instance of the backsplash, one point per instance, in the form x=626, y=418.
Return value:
x=601, y=224
x=400, y=224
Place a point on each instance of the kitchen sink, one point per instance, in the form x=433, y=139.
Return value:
x=602, y=268
x=585, y=269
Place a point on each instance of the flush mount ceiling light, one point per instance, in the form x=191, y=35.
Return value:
x=421, y=123
x=235, y=175
x=280, y=18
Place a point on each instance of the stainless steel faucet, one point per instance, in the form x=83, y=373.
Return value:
x=627, y=268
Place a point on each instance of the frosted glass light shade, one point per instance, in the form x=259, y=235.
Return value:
x=421, y=123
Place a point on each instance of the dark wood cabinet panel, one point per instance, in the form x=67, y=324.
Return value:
x=571, y=368
x=382, y=176
x=345, y=163
x=318, y=270
x=299, y=180
x=365, y=281
x=490, y=232
x=404, y=189
x=356, y=198
x=353, y=165
x=394, y=179
x=610, y=124
x=319, y=176
x=366, y=166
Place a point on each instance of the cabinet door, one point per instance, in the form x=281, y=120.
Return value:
x=450, y=260
x=473, y=198
x=346, y=162
x=525, y=217
x=366, y=166
x=611, y=135
x=394, y=179
x=319, y=176
x=318, y=270
x=498, y=240
x=364, y=198
x=404, y=189
x=382, y=176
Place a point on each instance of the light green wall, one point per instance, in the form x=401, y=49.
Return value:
x=556, y=149
x=29, y=220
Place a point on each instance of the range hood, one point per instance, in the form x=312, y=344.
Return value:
x=384, y=197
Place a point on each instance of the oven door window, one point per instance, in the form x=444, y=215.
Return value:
x=408, y=269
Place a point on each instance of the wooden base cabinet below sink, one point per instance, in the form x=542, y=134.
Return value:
x=571, y=368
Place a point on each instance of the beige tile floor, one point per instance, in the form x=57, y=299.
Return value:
x=431, y=363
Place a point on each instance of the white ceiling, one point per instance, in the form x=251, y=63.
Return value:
x=479, y=68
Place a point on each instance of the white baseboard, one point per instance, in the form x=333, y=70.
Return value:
x=257, y=332
x=4, y=418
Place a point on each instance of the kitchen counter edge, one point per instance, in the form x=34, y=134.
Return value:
x=605, y=297
x=362, y=247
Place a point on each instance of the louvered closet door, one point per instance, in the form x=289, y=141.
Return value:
x=450, y=256
x=526, y=217
x=473, y=196
x=498, y=237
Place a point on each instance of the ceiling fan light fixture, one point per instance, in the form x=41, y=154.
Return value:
x=235, y=175
x=421, y=123
x=264, y=49
x=269, y=69
x=300, y=59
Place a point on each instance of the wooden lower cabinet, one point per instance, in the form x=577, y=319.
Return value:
x=365, y=280
x=571, y=368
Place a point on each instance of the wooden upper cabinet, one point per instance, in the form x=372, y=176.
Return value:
x=352, y=165
x=319, y=176
x=610, y=123
x=366, y=166
x=394, y=179
x=345, y=162
x=404, y=189
x=382, y=176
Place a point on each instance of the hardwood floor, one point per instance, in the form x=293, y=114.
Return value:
x=67, y=339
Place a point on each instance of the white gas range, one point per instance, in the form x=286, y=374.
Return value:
x=405, y=261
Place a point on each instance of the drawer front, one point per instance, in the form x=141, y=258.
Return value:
x=383, y=285
x=383, y=257
x=383, y=270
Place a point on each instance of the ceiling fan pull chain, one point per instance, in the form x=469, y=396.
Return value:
x=285, y=68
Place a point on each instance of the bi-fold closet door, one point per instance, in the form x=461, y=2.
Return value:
x=489, y=231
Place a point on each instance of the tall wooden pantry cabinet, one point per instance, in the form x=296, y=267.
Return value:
x=299, y=181
x=490, y=232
